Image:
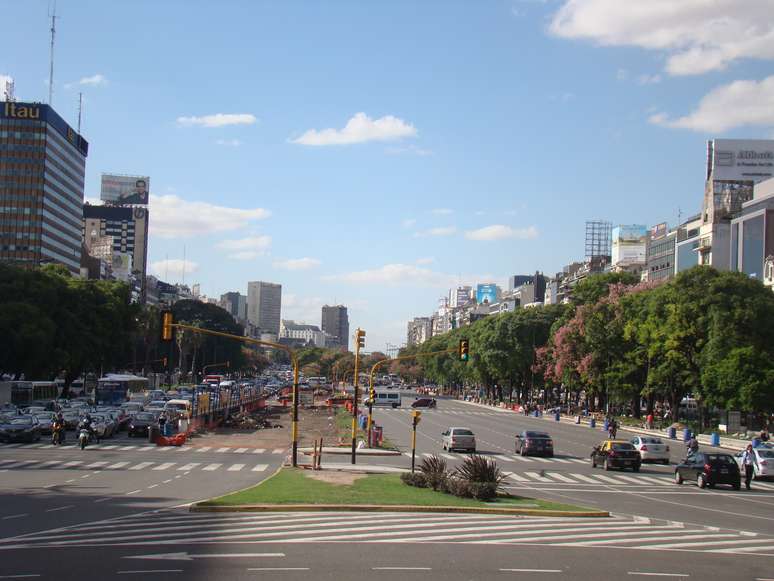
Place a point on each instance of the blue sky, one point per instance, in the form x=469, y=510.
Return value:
x=376, y=153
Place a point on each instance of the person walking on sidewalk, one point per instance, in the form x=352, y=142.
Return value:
x=649, y=421
x=748, y=462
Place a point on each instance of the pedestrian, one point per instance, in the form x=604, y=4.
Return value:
x=748, y=461
x=162, y=422
x=649, y=421
x=764, y=434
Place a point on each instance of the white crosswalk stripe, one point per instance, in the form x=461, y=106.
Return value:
x=222, y=450
x=240, y=450
x=211, y=467
x=204, y=449
x=260, y=467
x=177, y=527
x=141, y=466
x=187, y=467
x=235, y=467
x=165, y=466
x=116, y=466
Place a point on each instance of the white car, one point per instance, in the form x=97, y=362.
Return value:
x=764, y=461
x=651, y=449
x=459, y=439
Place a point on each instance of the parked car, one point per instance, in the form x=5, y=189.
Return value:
x=651, y=449
x=424, y=402
x=20, y=429
x=535, y=443
x=764, y=461
x=616, y=454
x=140, y=422
x=459, y=439
x=709, y=470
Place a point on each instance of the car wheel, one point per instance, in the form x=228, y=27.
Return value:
x=593, y=462
x=636, y=468
x=607, y=465
x=678, y=478
x=701, y=481
x=737, y=485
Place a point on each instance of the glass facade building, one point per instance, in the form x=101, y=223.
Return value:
x=42, y=169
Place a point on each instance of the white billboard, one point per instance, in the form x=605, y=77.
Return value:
x=629, y=245
x=741, y=159
x=125, y=190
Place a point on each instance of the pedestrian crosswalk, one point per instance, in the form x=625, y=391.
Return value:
x=530, y=477
x=177, y=528
x=7, y=465
x=408, y=410
x=146, y=448
x=531, y=460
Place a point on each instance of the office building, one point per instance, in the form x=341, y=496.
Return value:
x=460, y=297
x=419, y=330
x=687, y=244
x=302, y=333
x=42, y=168
x=734, y=166
x=517, y=280
x=128, y=228
x=752, y=233
x=264, y=305
x=629, y=248
x=335, y=322
x=660, y=253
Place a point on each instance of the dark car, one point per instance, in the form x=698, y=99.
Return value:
x=138, y=425
x=423, y=402
x=708, y=470
x=535, y=443
x=616, y=454
x=20, y=429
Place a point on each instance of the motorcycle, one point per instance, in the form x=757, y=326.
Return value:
x=57, y=434
x=83, y=438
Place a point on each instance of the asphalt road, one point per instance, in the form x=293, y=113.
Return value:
x=569, y=476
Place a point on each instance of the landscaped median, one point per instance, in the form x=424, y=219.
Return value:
x=292, y=489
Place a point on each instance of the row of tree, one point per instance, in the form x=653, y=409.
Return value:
x=705, y=333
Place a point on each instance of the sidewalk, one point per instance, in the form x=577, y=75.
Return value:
x=348, y=450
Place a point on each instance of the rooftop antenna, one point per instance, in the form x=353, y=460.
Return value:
x=80, y=111
x=8, y=90
x=51, y=60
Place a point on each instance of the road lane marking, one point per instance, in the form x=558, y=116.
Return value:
x=190, y=466
x=96, y=465
x=447, y=456
x=50, y=463
x=646, y=574
x=152, y=486
x=133, y=492
x=203, y=449
x=516, y=477
x=240, y=450
x=104, y=499
x=260, y=467
x=20, y=576
x=211, y=467
x=145, y=571
x=561, y=460
x=401, y=568
x=165, y=448
x=577, y=460
x=116, y=466
x=278, y=451
x=222, y=450
x=141, y=466
x=15, y=516
x=584, y=478
x=167, y=481
x=60, y=508
x=531, y=570
x=561, y=477
x=522, y=458
x=537, y=476
x=127, y=448
x=235, y=467
x=258, y=450
x=165, y=466
x=278, y=569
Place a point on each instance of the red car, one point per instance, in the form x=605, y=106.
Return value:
x=423, y=402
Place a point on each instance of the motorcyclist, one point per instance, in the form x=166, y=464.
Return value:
x=58, y=429
x=86, y=424
x=693, y=446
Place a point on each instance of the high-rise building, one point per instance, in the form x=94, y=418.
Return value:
x=752, y=234
x=335, y=322
x=517, y=280
x=459, y=297
x=42, y=168
x=419, y=330
x=128, y=227
x=264, y=306
x=660, y=253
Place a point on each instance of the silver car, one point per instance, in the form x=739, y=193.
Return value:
x=459, y=439
x=651, y=449
x=764, y=461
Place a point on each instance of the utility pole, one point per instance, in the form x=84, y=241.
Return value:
x=359, y=343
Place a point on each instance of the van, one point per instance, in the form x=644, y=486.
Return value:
x=689, y=408
x=179, y=406
x=385, y=399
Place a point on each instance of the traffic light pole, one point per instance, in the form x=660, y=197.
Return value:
x=168, y=324
x=356, y=397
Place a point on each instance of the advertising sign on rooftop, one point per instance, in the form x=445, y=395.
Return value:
x=629, y=244
x=125, y=190
x=741, y=159
x=486, y=293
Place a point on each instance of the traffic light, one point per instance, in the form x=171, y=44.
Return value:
x=416, y=417
x=360, y=337
x=166, y=326
x=464, y=348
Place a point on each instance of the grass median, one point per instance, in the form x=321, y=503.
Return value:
x=294, y=486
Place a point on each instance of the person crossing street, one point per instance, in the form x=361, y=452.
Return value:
x=748, y=462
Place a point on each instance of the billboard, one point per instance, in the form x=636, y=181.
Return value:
x=629, y=244
x=486, y=293
x=740, y=159
x=659, y=231
x=125, y=190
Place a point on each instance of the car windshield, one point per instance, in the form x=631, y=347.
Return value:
x=766, y=453
x=622, y=446
x=146, y=417
x=43, y=416
x=21, y=422
x=536, y=435
x=719, y=459
x=651, y=440
x=459, y=432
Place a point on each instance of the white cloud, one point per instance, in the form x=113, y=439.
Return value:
x=409, y=222
x=173, y=268
x=97, y=80
x=738, y=104
x=359, y=129
x=297, y=263
x=500, y=232
x=440, y=231
x=698, y=35
x=648, y=79
x=228, y=142
x=174, y=217
x=246, y=248
x=217, y=120
x=424, y=261
x=442, y=211
x=407, y=275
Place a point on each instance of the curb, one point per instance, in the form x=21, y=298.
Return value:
x=204, y=507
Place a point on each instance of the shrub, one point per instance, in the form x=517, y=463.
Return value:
x=434, y=470
x=482, y=476
x=458, y=487
x=414, y=479
x=483, y=490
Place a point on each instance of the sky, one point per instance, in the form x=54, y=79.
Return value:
x=376, y=154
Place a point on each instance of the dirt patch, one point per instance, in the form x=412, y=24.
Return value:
x=340, y=478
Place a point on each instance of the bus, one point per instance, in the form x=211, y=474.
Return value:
x=114, y=389
x=24, y=393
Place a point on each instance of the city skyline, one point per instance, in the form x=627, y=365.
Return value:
x=422, y=171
